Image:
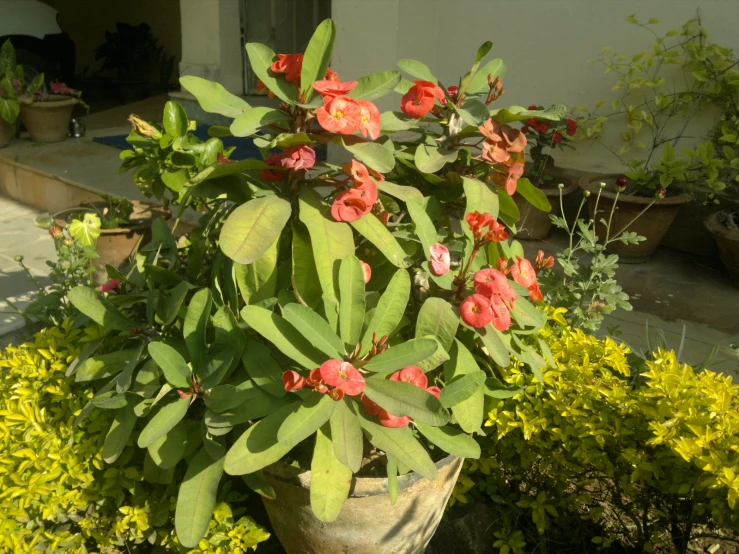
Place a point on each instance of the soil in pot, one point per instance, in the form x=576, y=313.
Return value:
x=368, y=523
x=47, y=119
x=7, y=132
x=653, y=224
x=725, y=227
x=536, y=224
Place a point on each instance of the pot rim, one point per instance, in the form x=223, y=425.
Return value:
x=715, y=227
x=143, y=226
x=586, y=183
x=361, y=486
x=63, y=102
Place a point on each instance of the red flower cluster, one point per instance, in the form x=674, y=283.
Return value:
x=354, y=203
x=343, y=114
x=524, y=274
x=291, y=65
x=411, y=374
x=420, y=99
x=544, y=262
x=111, y=285
x=479, y=222
x=492, y=303
x=342, y=376
x=295, y=158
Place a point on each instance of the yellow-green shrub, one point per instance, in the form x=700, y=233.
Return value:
x=611, y=453
x=56, y=493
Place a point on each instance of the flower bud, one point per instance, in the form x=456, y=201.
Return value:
x=143, y=128
x=602, y=185
x=661, y=192
x=18, y=259
x=561, y=186
x=586, y=194
x=621, y=183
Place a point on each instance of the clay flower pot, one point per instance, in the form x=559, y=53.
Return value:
x=7, y=132
x=536, y=224
x=47, y=119
x=727, y=238
x=368, y=523
x=653, y=224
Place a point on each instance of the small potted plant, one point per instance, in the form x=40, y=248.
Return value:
x=12, y=87
x=46, y=116
x=544, y=137
x=724, y=226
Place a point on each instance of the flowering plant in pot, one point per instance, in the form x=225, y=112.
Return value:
x=12, y=88
x=46, y=115
x=335, y=319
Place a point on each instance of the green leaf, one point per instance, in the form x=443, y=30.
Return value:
x=85, y=231
x=110, y=400
x=479, y=81
x=330, y=479
x=375, y=155
x=374, y=231
x=390, y=308
x=519, y=113
x=217, y=367
x=314, y=328
x=431, y=159
x=422, y=226
x=304, y=275
x=195, y=326
x=479, y=199
x=331, y=241
x=405, y=399
x=226, y=397
x=197, y=498
x=258, y=404
x=9, y=110
x=473, y=112
x=223, y=170
x=392, y=479
x=169, y=449
x=438, y=319
x=534, y=195
x=169, y=414
x=396, y=121
x=175, y=120
x=346, y=434
x=120, y=430
x=509, y=211
x=308, y=416
x=256, y=482
x=451, y=440
x=99, y=309
x=401, y=192
x=417, y=69
x=402, y=355
x=461, y=388
x=352, y=300
x=495, y=346
x=253, y=119
x=262, y=368
x=400, y=444
x=173, y=365
x=436, y=359
x=104, y=365
x=258, y=447
x=495, y=389
x=172, y=302
x=261, y=58
x=317, y=57
x=468, y=413
x=372, y=87
x=526, y=314
x=253, y=227
x=213, y=97
x=283, y=335
x=258, y=281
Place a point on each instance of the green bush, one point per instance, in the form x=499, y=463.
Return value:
x=602, y=455
x=56, y=492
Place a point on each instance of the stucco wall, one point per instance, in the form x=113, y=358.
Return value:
x=545, y=44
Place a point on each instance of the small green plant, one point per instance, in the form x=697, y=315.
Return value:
x=12, y=84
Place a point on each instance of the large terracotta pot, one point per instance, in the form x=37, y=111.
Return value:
x=653, y=224
x=536, y=224
x=368, y=524
x=7, y=132
x=47, y=120
x=688, y=232
x=727, y=240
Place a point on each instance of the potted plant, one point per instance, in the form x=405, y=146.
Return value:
x=46, y=115
x=657, y=118
x=12, y=87
x=333, y=351
x=724, y=226
x=544, y=137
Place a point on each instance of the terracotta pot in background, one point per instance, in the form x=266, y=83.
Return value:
x=368, y=524
x=47, y=120
x=7, y=132
x=688, y=232
x=536, y=224
x=653, y=224
x=727, y=240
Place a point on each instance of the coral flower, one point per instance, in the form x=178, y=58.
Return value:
x=368, y=191
x=436, y=391
x=336, y=394
x=478, y=222
x=221, y=159
x=289, y=64
x=369, y=123
x=500, y=141
x=110, y=285
x=328, y=88
x=357, y=171
x=370, y=407
x=298, y=157
x=272, y=174
x=491, y=282
x=501, y=313
x=413, y=375
x=543, y=261
x=440, y=259
x=523, y=272
x=377, y=176
x=331, y=75
x=349, y=206
x=476, y=311
x=293, y=380
x=535, y=293
x=342, y=375
x=340, y=114
x=514, y=174
x=386, y=418
x=497, y=232
x=420, y=99
x=367, y=271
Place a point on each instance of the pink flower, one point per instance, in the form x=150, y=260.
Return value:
x=500, y=141
x=368, y=191
x=514, y=174
x=369, y=124
x=501, y=313
x=298, y=157
x=339, y=114
x=367, y=270
x=440, y=259
x=476, y=311
x=342, y=375
x=413, y=375
x=357, y=171
x=272, y=174
x=453, y=93
x=293, y=380
x=222, y=159
x=523, y=272
x=491, y=281
x=350, y=206
x=61, y=88
x=328, y=88
x=110, y=285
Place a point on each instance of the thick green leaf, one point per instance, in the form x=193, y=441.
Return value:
x=258, y=281
x=262, y=368
x=519, y=113
x=431, y=159
x=257, y=404
x=85, y=231
x=473, y=112
x=396, y=121
x=110, y=400
x=375, y=155
x=197, y=498
x=496, y=389
x=468, y=413
x=9, y=110
x=401, y=445
x=534, y=195
x=451, y=440
x=392, y=478
x=401, y=192
x=331, y=241
x=422, y=226
x=218, y=171
x=283, y=335
x=372, y=87
x=175, y=119
x=461, y=388
x=256, y=482
x=495, y=346
x=330, y=479
x=172, y=301
x=226, y=397
x=410, y=352
x=218, y=366
x=479, y=81
x=479, y=199
x=169, y=449
x=405, y=399
x=390, y=309
x=352, y=300
x=258, y=447
x=261, y=58
x=308, y=416
x=304, y=275
x=438, y=319
x=213, y=97
x=417, y=69
x=374, y=231
x=346, y=434
x=168, y=415
x=195, y=326
x=253, y=227
x=436, y=359
x=173, y=365
x=119, y=433
x=253, y=119
x=314, y=328
x=99, y=309
x=317, y=57
x=526, y=314
x=104, y=365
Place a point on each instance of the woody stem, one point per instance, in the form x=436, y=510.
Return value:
x=461, y=279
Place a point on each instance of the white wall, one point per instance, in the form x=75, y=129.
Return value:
x=545, y=44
